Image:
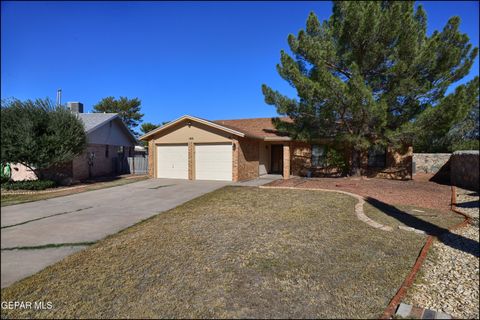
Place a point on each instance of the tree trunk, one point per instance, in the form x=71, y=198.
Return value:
x=355, y=169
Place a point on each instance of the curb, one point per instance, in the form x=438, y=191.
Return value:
x=392, y=306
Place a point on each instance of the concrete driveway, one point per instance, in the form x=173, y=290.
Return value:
x=85, y=217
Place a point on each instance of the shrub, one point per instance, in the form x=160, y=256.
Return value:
x=29, y=185
x=4, y=179
x=336, y=160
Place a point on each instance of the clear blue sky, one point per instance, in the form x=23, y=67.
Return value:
x=207, y=59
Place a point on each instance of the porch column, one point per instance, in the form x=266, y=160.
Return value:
x=286, y=161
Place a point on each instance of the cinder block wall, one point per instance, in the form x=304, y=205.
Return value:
x=430, y=162
x=464, y=167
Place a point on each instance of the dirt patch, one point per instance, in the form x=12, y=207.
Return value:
x=238, y=252
x=418, y=193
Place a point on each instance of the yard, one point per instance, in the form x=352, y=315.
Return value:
x=234, y=253
x=8, y=199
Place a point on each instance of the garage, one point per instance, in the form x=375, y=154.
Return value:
x=172, y=161
x=213, y=161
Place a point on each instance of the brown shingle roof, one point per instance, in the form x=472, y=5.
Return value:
x=254, y=127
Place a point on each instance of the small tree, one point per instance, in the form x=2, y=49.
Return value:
x=366, y=75
x=39, y=135
x=147, y=127
x=128, y=109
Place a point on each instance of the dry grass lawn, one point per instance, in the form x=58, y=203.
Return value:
x=237, y=252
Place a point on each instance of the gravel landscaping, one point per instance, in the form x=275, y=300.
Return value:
x=448, y=280
x=238, y=252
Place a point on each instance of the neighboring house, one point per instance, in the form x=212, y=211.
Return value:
x=109, y=143
x=236, y=150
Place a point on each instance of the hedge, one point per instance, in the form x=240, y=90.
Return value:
x=29, y=185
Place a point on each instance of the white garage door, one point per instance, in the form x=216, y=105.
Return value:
x=172, y=161
x=213, y=162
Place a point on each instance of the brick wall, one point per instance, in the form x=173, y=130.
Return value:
x=102, y=164
x=191, y=160
x=247, y=151
x=300, y=158
x=151, y=155
x=61, y=173
x=464, y=168
x=398, y=165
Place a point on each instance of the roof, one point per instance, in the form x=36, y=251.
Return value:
x=259, y=128
x=262, y=128
x=93, y=121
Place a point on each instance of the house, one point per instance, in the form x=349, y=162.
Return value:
x=109, y=143
x=235, y=150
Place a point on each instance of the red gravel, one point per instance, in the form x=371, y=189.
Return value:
x=419, y=192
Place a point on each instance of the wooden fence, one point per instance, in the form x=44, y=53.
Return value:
x=138, y=165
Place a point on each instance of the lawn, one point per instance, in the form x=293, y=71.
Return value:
x=11, y=199
x=238, y=252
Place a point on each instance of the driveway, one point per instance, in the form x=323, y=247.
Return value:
x=75, y=220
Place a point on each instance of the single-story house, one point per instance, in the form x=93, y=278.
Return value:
x=235, y=150
x=109, y=143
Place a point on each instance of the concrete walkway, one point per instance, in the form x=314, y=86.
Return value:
x=84, y=217
x=260, y=181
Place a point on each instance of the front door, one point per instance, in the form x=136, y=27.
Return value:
x=277, y=159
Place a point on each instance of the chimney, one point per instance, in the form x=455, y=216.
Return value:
x=75, y=107
x=59, y=97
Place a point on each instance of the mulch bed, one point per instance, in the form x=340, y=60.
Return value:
x=419, y=192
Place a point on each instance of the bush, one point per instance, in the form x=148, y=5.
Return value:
x=336, y=160
x=4, y=179
x=29, y=185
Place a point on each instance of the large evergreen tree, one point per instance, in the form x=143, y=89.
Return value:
x=128, y=109
x=370, y=73
x=39, y=135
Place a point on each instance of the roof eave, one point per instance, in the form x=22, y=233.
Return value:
x=277, y=139
x=185, y=117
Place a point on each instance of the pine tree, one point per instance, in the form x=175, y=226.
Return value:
x=366, y=75
x=128, y=109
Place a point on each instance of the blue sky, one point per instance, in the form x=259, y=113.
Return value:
x=206, y=59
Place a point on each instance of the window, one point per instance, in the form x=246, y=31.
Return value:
x=106, y=151
x=377, y=156
x=319, y=155
x=120, y=151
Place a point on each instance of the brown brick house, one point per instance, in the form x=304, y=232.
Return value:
x=243, y=149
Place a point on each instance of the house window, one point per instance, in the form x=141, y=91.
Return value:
x=106, y=151
x=121, y=151
x=319, y=155
x=377, y=156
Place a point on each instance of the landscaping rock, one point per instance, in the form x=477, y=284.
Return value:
x=448, y=280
